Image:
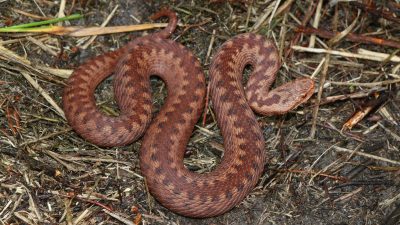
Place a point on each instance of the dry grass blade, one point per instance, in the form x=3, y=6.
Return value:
x=44, y=93
x=340, y=149
x=42, y=138
x=92, y=159
x=322, y=80
x=369, y=6
x=371, y=84
x=62, y=73
x=59, y=158
x=393, y=134
x=349, y=195
x=376, y=57
x=361, y=94
x=344, y=33
x=11, y=56
x=75, y=31
x=119, y=218
x=349, y=36
x=42, y=46
x=30, y=14
x=91, y=39
x=317, y=17
x=80, y=32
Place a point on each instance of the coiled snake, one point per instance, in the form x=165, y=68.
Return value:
x=164, y=143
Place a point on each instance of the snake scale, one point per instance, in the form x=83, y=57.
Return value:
x=166, y=136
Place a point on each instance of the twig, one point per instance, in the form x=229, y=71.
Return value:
x=375, y=11
x=30, y=14
x=376, y=100
x=206, y=106
x=96, y=203
x=105, y=22
x=340, y=35
x=350, y=37
x=348, y=195
x=345, y=54
x=313, y=173
x=93, y=159
x=45, y=137
x=371, y=84
x=61, y=9
x=318, y=69
x=380, y=54
x=40, y=9
x=190, y=26
x=340, y=149
x=33, y=205
x=42, y=92
x=261, y=19
x=210, y=47
x=273, y=14
x=118, y=217
x=63, y=73
x=305, y=21
x=11, y=56
x=315, y=24
x=393, y=218
x=284, y=7
x=319, y=96
x=335, y=98
x=42, y=45
x=56, y=157
x=88, y=31
x=395, y=136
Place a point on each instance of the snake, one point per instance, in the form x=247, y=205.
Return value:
x=165, y=137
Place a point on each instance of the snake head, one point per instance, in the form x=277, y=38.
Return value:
x=283, y=98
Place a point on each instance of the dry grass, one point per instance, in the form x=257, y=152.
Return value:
x=319, y=171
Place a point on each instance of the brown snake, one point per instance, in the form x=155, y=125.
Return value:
x=164, y=143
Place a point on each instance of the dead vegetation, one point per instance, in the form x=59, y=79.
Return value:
x=336, y=160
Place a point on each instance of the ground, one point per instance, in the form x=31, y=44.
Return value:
x=319, y=170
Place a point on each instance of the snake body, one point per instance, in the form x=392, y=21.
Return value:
x=164, y=142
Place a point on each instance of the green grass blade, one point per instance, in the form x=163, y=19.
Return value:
x=20, y=28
